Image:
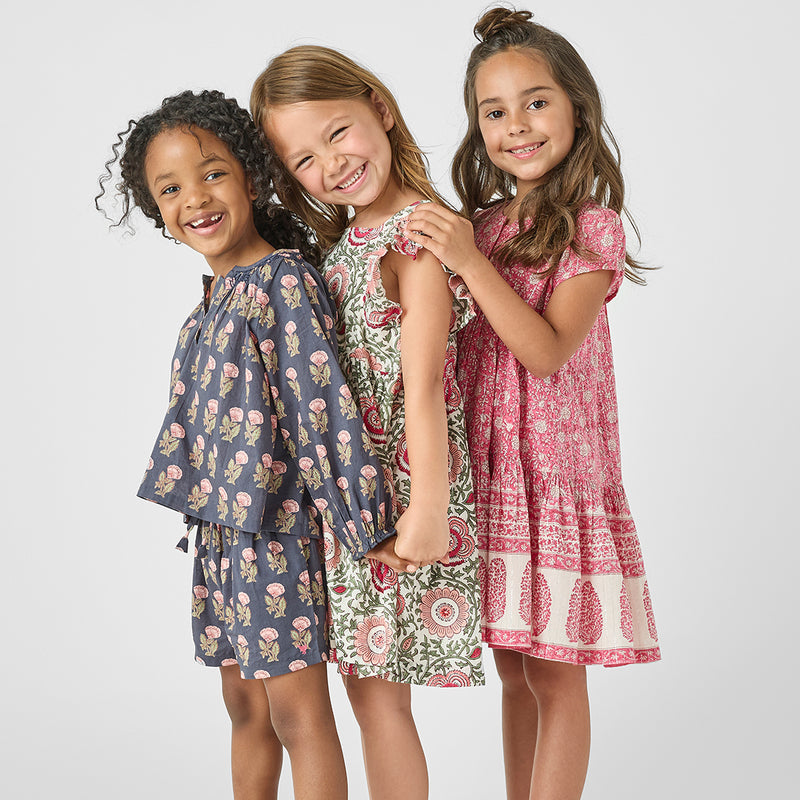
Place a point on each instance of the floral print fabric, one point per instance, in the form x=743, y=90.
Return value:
x=419, y=628
x=261, y=425
x=258, y=600
x=264, y=448
x=562, y=575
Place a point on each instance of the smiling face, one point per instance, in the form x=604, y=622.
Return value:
x=204, y=197
x=526, y=119
x=338, y=150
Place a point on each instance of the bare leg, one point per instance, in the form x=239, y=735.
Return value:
x=520, y=723
x=546, y=730
x=393, y=756
x=256, y=752
x=302, y=717
x=562, y=748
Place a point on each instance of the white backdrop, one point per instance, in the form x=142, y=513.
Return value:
x=101, y=697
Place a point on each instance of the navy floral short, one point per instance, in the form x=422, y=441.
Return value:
x=258, y=601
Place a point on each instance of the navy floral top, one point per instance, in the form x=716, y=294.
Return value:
x=261, y=432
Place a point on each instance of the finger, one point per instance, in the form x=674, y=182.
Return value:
x=394, y=561
x=427, y=229
x=424, y=225
x=432, y=211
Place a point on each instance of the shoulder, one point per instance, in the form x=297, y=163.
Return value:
x=600, y=230
x=487, y=222
x=601, y=246
x=395, y=231
x=286, y=274
x=484, y=215
x=287, y=268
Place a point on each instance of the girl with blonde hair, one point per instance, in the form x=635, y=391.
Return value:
x=352, y=172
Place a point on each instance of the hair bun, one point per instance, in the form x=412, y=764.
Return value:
x=499, y=19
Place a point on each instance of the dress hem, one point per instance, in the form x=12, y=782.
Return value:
x=606, y=657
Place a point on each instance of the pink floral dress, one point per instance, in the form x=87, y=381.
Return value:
x=420, y=628
x=562, y=575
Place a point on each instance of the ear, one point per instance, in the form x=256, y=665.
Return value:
x=383, y=110
x=250, y=189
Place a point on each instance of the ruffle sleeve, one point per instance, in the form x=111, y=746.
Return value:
x=600, y=231
x=463, y=304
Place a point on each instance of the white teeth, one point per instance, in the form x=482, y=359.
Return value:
x=529, y=149
x=197, y=222
x=352, y=180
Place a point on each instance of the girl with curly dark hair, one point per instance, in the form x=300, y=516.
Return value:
x=262, y=447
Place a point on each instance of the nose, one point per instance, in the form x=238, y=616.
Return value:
x=517, y=123
x=334, y=162
x=196, y=195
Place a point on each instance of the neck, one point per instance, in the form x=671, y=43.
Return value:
x=392, y=199
x=251, y=249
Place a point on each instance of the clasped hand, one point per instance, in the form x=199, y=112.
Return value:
x=421, y=539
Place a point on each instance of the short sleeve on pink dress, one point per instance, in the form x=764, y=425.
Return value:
x=599, y=231
x=562, y=574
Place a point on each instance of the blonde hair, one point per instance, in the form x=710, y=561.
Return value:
x=590, y=171
x=311, y=72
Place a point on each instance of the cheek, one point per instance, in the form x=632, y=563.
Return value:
x=486, y=134
x=310, y=181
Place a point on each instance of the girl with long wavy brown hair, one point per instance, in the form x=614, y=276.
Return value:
x=562, y=577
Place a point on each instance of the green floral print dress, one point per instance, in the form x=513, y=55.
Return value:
x=420, y=628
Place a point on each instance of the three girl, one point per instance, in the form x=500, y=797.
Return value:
x=262, y=447
x=557, y=557
x=562, y=576
x=344, y=145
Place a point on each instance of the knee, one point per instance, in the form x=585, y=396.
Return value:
x=550, y=680
x=245, y=700
x=376, y=702
x=511, y=672
x=293, y=727
x=300, y=708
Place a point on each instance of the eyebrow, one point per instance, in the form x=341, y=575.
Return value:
x=329, y=129
x=524, y=93
x=204, y=163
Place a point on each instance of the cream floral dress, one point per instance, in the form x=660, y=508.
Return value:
x=420, y=628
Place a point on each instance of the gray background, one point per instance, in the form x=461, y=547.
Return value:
x=101, y=697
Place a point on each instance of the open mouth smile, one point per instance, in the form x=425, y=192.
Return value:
x=205, y=223
x=353, y=179
x=526, y=150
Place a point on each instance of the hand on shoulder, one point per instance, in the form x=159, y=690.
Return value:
x=445, y=234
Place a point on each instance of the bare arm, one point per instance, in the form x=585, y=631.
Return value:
x=542, y=343
x=426, y=300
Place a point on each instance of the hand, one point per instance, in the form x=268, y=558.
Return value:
x=447, y=235
x=423, y=537
x=385, y=553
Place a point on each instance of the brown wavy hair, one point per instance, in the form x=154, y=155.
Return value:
x=310, y=72
x=591, y=170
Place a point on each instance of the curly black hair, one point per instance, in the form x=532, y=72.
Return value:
x=211, y=111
